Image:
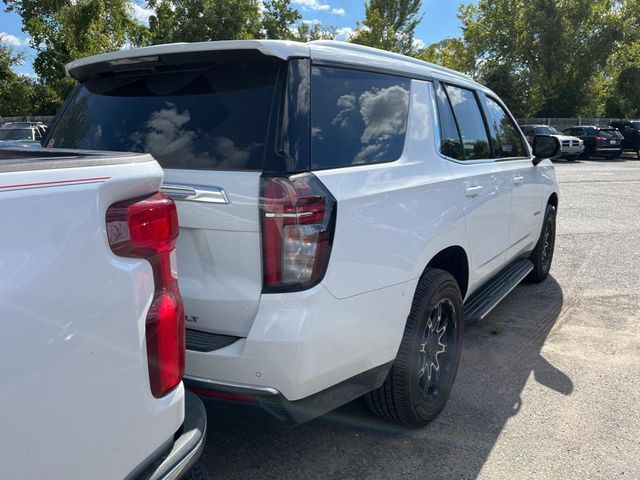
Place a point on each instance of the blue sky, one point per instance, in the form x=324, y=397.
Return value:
x=440, y=21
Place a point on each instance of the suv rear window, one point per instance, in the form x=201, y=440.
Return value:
x=609, y=133
x=357, y=117
x=215, y=117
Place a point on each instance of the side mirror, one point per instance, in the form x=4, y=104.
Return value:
x=545, y=146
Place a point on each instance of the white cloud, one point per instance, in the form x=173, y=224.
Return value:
x=140, y=13
x=337, y=11
x=344, y=33
x=14, y=41
x=418, y=44
x=313, y=21
x=312, y=4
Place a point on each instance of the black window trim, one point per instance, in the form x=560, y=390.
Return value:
x=518, y=129
x=478, y=161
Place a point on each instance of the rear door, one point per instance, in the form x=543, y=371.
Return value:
x=210, y=126
x=483, y=184
x=526, y=197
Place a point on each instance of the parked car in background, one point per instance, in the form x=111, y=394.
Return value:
x=598, y=142
x=630, y=129
x=570, y=147
x=92, y=323
x=28, y=134
x=342, y=211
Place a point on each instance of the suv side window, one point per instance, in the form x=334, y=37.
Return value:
x=450, y=142
x=357, y=117
x=506, y=141
x=473, y=132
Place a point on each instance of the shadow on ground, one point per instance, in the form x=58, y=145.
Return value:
x=500, y=356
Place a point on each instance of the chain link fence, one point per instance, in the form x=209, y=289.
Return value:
x=562, y=123
x=27, y=118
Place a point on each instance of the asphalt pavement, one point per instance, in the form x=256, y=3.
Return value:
x=549, y=382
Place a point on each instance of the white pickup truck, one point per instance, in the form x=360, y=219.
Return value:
x=91, y=321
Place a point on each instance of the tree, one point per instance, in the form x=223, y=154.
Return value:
x=451, y=53
x=555, y=47
x=278, y=18
x=19, y=94
x=202, y=20
x=389, y=25
x=309, y=31
x=65, y=30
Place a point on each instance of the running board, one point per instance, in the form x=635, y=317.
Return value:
x=484, y=300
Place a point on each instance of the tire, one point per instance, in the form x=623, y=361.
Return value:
x=638, y=152
x=421, y=378
x=542, y=255
x=570, y=158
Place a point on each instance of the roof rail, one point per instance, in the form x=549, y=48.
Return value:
x=354, y=47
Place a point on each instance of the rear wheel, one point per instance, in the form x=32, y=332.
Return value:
x=422, y=375
x=570, y=158
x=543, y=253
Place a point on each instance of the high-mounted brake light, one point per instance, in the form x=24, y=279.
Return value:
x=147, y=228
x=298, y=223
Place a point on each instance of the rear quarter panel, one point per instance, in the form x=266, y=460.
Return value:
x=75, y=400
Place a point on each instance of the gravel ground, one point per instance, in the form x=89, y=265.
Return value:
x=548, y=387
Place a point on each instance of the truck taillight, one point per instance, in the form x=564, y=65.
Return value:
x=298, y=217
x=147, y=228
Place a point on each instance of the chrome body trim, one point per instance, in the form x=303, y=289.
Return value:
x=195, y=193
x=258, y=389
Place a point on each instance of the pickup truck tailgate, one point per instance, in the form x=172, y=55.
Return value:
x=75, y=396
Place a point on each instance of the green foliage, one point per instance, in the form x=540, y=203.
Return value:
x=278, y=18
x=20, y=95
x=451, y=53
x=389, y=25
x=64, y=30
x=555, y=47
x=202, y=20
x=308, y=31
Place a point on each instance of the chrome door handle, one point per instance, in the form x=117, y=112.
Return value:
x=195, y=193
x=518, y=179
x=473, y=191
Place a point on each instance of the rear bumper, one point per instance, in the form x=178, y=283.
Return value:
x=187, y=447
x=609, y=150
x=302, y=343
x=260, y=404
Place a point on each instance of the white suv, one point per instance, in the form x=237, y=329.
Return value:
x=342, y=211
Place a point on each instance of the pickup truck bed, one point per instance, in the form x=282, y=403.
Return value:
x=75, y=396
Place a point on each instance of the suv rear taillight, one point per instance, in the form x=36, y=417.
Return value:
x=147, y=227
x=298, y=216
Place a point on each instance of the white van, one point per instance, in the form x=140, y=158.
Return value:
x=342, y=211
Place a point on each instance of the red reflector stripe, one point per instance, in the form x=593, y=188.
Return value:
x=233, y=397
x=58, y=182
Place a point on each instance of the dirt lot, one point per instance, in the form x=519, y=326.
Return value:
x=549, y=385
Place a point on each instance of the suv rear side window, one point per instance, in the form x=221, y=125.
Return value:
x=467, y=112
x=505, y=138
x=215, y=117
x=357, y=117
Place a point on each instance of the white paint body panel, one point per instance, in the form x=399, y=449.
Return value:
x=75, y=400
